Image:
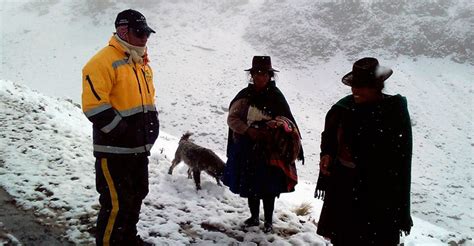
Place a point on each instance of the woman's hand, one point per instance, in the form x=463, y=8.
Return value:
x=324, y=164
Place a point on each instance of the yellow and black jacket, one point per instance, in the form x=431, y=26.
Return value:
x=119, y=99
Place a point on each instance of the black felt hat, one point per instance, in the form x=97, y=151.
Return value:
x=366, y=72
x=261, y=63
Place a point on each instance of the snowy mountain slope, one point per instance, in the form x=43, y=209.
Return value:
x=47, y=165
x=202, y=47
x=300, y=31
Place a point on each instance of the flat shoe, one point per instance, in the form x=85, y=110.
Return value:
x=251, y=222
x=267, y=227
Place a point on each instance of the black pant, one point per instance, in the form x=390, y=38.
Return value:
x=122, y=182
x=268, y=206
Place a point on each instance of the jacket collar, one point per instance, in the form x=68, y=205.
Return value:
x=115, y=43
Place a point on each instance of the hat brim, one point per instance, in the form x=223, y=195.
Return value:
x=151, y=30
x=382, y=74
x=253, y=69
x=147, y=28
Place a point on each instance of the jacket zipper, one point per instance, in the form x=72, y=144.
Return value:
x=138, y=82
x=143, y=110
x=92, y=87
x=146, y=82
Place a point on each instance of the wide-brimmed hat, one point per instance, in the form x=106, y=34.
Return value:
x=366, y=72
x=133, y=19
x=261, y=63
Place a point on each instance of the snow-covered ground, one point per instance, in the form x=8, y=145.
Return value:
x=46, y=165
x=198, y=55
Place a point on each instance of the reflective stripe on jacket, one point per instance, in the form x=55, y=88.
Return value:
x=118, y=98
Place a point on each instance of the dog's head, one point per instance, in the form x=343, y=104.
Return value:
x=186, y=136
x=217, y=169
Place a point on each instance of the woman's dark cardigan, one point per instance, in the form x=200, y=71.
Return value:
x=246, y=173
x=374, y=196
x=272, y=100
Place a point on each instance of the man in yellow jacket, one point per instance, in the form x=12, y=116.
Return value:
x=118, y=97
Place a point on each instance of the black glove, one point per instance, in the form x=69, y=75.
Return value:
x=301, y=156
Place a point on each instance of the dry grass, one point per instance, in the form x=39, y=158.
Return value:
x=304, y=209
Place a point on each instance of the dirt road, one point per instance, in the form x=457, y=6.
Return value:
x=21, y=227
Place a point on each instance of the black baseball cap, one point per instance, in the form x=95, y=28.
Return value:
x=132, y=19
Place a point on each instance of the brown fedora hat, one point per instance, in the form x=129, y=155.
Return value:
x=261, y=63
x=366, y=72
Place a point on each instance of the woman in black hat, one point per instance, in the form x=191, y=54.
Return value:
x=365, y=166
x=263, y=143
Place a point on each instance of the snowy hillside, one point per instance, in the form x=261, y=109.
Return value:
x=46, y=165
x=300, y=31
x=198, y=55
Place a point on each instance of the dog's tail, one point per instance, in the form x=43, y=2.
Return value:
x=185, y=136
